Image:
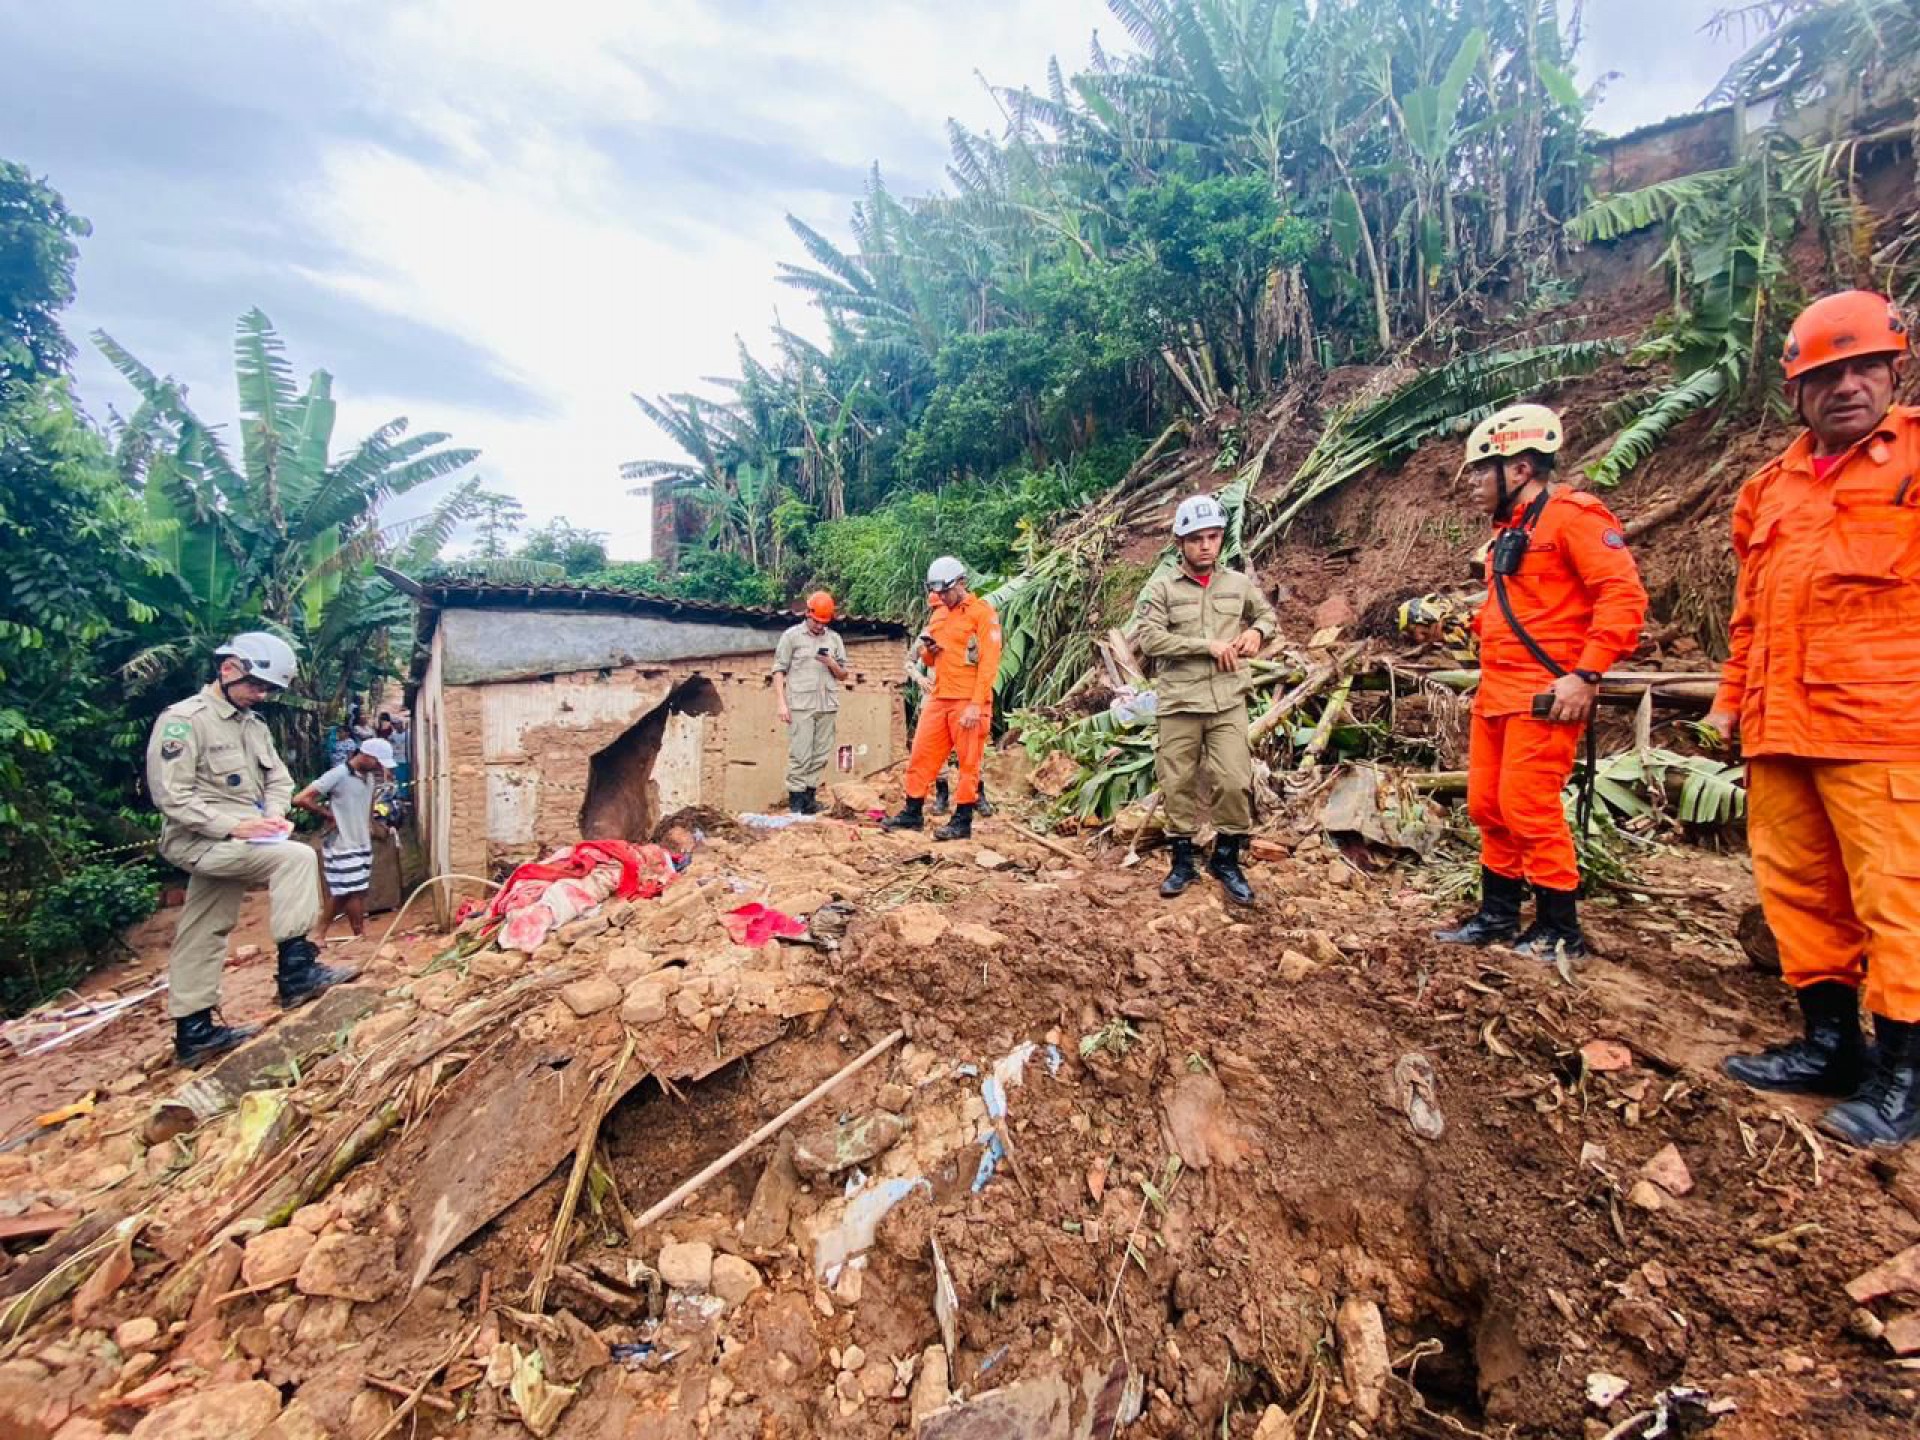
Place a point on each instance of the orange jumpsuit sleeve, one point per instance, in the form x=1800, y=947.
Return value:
x=1733, y=675
x=987, y=628
x=1597, y=551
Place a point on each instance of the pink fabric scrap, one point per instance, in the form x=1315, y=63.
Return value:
x=756, y=924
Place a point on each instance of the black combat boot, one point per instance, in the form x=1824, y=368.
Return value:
x=983, y=807
x=1224, y=866
x=1885, y=1112
x=912, y=816
x=1831, y=1059
x=1556, y=927
x=942, y=797
x=797, y=803
x=1183, y=872
x=302, y=976
x=960, y=827
x=198, y=1037
x=1498, y=917
x=813, y=799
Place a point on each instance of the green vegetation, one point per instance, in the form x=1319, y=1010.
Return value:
x=1260, y=185
x=1252, y=193
x=73, y=566
x=126, y=556
x=285, y=538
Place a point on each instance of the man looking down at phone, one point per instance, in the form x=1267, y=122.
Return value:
x=1564, y=602
x=960, y=644
x=808, y=665
x=1822, y=682
x=222, y=793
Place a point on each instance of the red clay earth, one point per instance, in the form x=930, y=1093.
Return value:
x=1506, y=1258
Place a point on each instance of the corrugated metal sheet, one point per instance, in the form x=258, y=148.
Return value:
x=561, y=610
x=449, y=594
x=483, y=646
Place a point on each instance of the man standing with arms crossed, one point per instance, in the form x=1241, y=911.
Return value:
x=1200, y=624
x=961, y=644
x=808, y=665
x=1822, y=683
x=222, y=792
x=1564, y=603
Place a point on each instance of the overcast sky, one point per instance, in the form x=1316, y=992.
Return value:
x=499, y=218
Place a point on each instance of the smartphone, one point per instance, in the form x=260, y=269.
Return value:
x=1542, y=706
x=823, y=651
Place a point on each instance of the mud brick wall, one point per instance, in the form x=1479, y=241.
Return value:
x=1681, y=146
x=533, y=763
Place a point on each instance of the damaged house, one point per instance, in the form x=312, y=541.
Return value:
x=546, y=714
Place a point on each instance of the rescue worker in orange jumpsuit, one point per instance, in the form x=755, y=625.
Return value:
x=1573, y=605
x=961, y=645
x=1822, y=683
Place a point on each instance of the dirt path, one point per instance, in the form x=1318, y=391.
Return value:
x=1215, y=1188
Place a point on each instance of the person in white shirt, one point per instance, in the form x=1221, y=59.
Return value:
x=343, y=798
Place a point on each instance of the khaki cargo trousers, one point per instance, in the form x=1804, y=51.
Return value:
x=1200, y=746
x=291, y=872
x=809, y=746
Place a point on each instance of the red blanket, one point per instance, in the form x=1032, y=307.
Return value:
x=644, y=870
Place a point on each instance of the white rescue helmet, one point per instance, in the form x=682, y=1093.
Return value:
x=1515, y=430
x=381, y=750
x=268, y=658
x=1197, y=513
x=944, y=571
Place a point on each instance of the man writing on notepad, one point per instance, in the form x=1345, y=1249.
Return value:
x=222, y=793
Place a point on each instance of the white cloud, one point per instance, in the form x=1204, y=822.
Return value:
x=539, y=249
x=589, y=195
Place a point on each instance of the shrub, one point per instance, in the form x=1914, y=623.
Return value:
x=68, y=925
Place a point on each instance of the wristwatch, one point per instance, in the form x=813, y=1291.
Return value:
x=1592, y=677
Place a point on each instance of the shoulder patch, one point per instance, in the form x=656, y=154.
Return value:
x=175, y=730
x=171, y=750
x=1614, y=540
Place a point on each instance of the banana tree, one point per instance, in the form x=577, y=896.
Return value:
x=285, y=536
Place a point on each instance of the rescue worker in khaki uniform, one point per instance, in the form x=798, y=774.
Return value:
x=1573, y=606
x=961, y=644
x=223, y=793
x=1822, y=683
x=808, y=665
x=1200, y=624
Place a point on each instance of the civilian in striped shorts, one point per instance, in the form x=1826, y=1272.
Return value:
x=343, y=798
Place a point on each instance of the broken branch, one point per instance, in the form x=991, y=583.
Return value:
x=582, y=1162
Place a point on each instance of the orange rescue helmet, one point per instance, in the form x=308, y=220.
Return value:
x=1839, y=327
x=820, y=606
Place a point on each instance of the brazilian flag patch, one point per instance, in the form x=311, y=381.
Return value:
x=175, y=730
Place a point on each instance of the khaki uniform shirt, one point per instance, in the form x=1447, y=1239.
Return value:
x=810, y=685
x=1175, y=621
x=211, y=766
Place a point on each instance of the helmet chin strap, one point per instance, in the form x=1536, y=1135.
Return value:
x=1503, y=497
x=225, y=685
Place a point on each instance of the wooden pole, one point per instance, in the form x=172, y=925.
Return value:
x=767, y=1131
x=1316, y=679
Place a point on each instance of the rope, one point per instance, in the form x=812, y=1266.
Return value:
x=400, y=914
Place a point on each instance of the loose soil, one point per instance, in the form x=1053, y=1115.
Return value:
x=1212, y=1192
x=1261, y=1048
